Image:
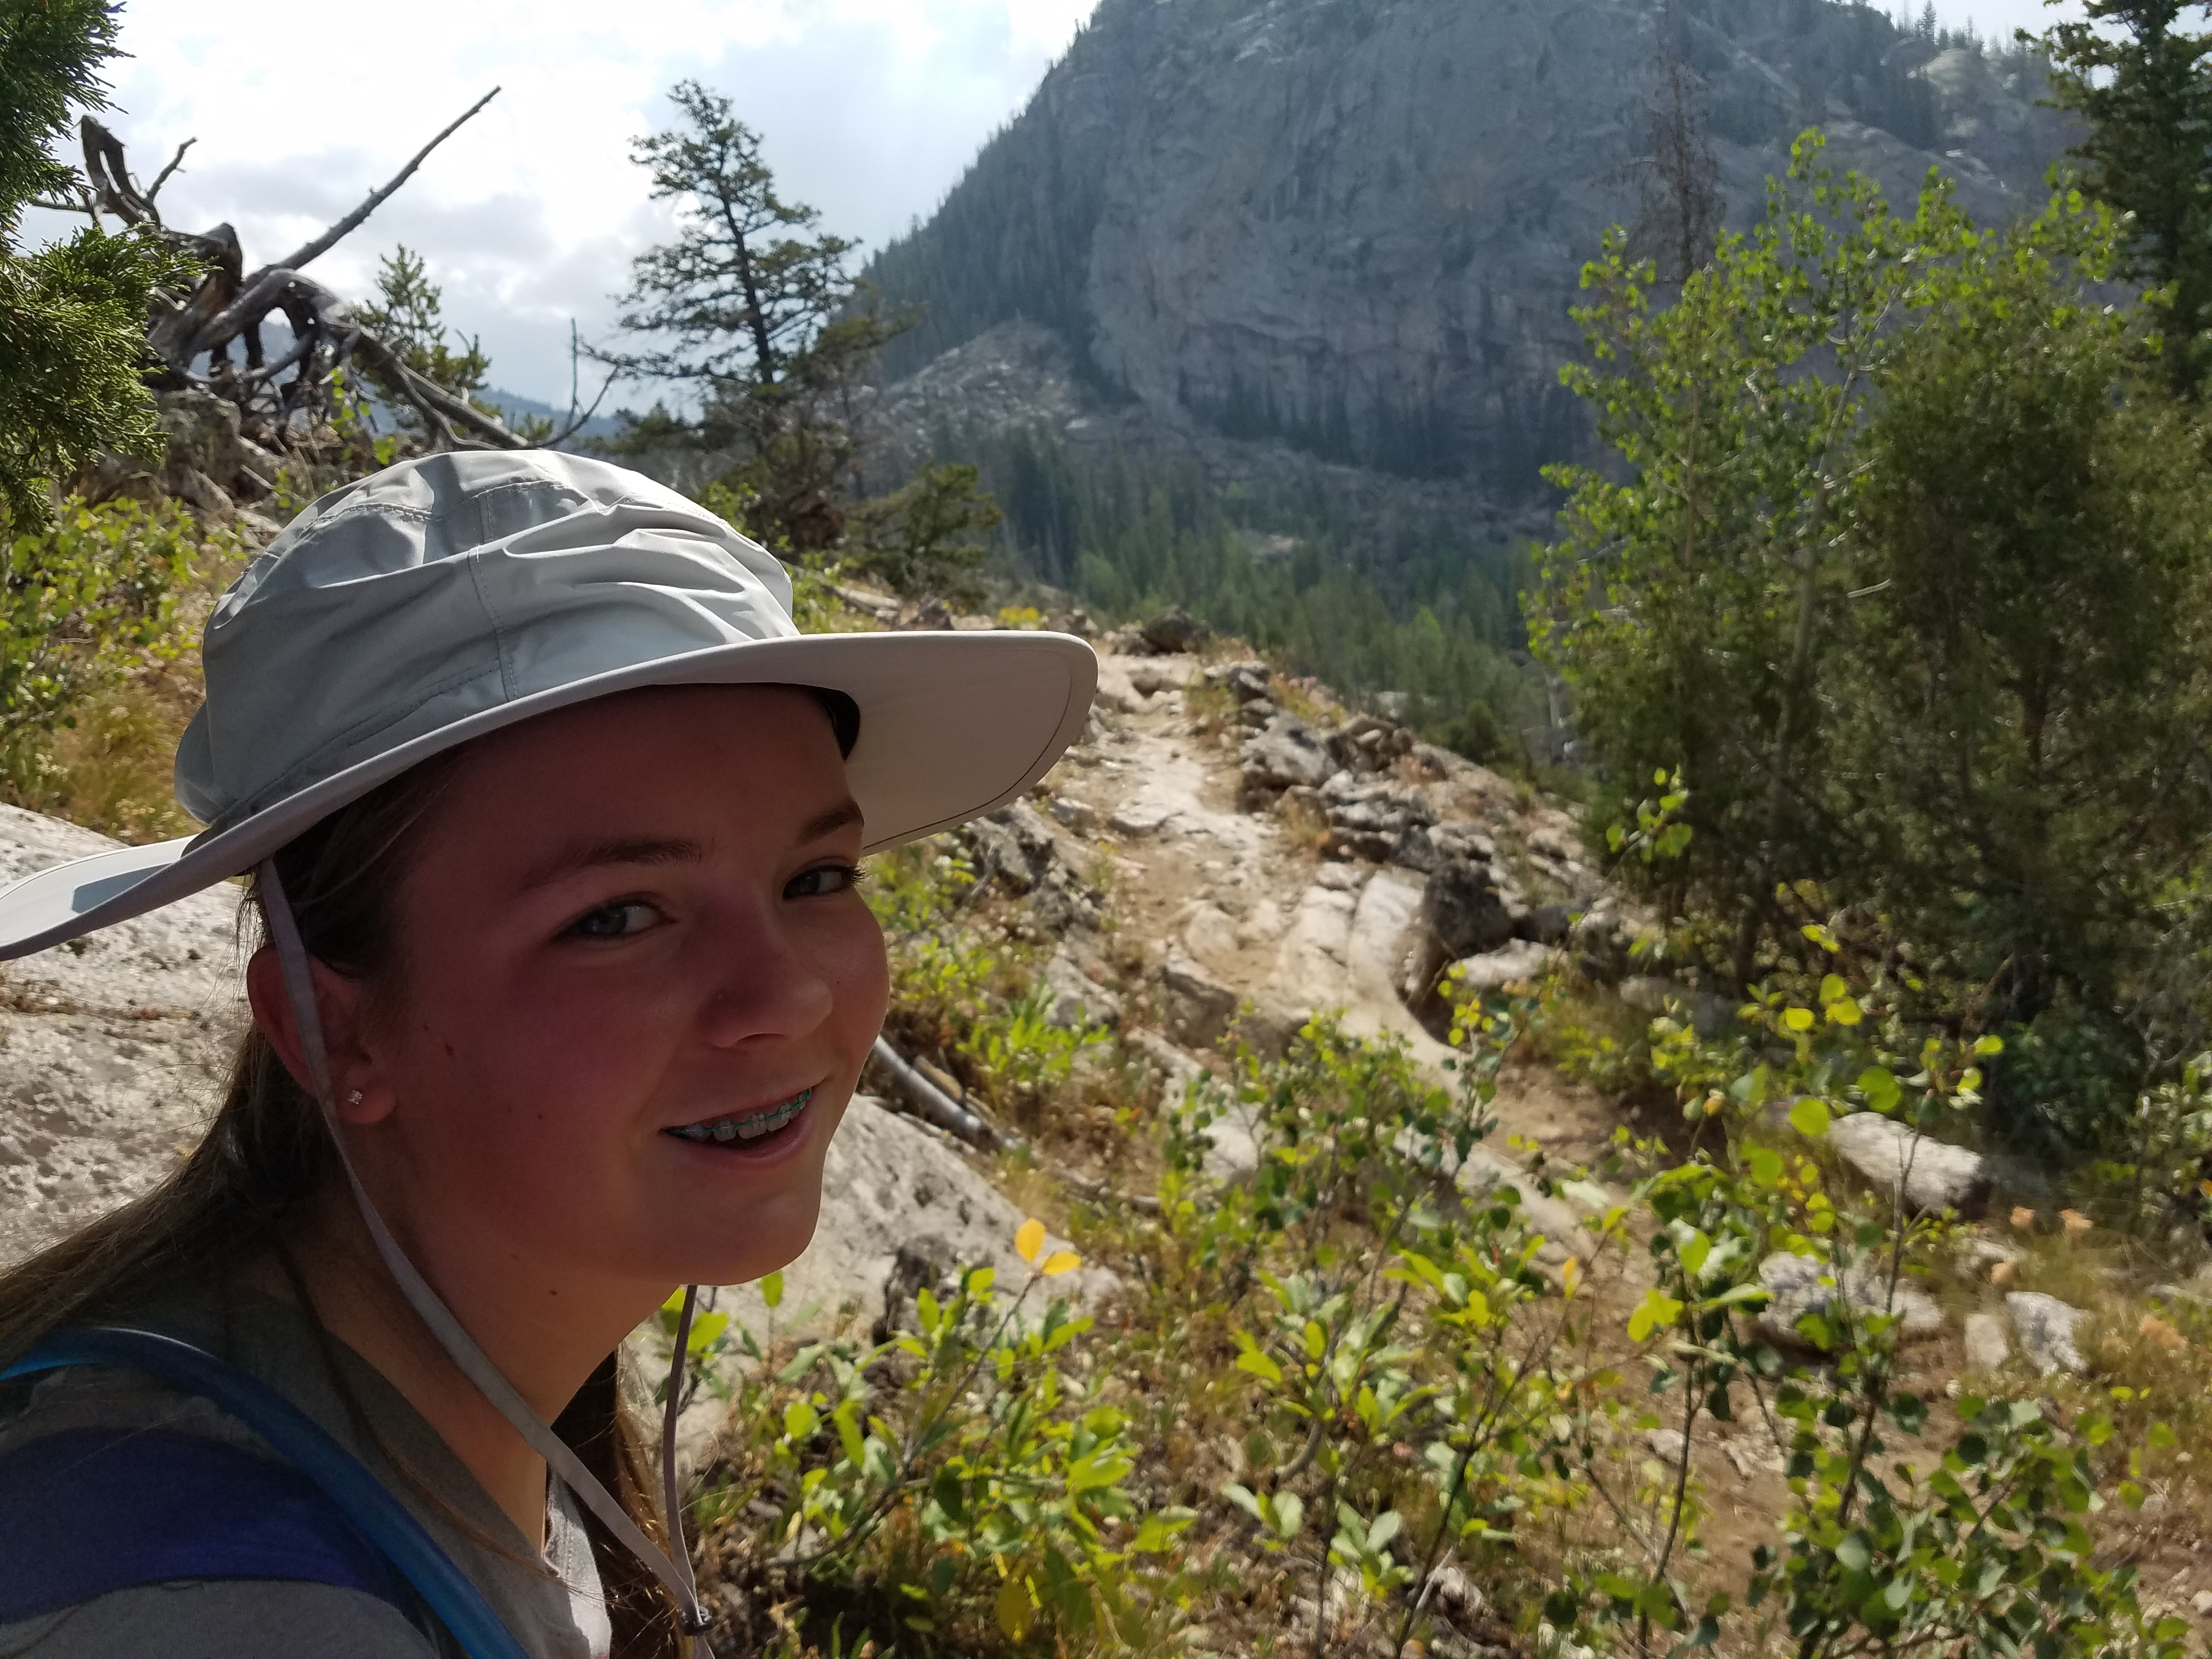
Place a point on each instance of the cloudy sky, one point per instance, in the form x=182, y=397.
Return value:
x=869, y=110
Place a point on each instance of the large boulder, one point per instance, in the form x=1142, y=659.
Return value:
x=1889, y=1154
x=1174, y=630
x=1285, y=755
x=1199, y=1008
x=1465, y=908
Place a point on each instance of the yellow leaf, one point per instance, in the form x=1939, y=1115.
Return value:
x=1060, y=1261
x=1014, y=1610
x=1798, y=1019
x=1570, y=1275
x=1843, y=1013
x=1028, y=1239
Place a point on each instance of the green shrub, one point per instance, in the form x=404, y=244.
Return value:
x=84, y=601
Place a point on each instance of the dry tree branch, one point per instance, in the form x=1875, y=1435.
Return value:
x=162, y=177
x=331, y=238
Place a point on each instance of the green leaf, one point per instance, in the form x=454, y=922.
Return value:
x=1657, y=1308
x=771, y=1289
x=1809, y=1117
x=1878, y=1085
x=1287, y=1514
x=845, y=1420
x=1253, y=1360
x=1852, y=1553
x=799, y=1420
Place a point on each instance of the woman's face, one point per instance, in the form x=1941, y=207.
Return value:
x=636, y=986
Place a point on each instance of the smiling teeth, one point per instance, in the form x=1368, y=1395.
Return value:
x=746, y=1128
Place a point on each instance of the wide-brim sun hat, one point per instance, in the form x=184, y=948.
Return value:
x=447, y=598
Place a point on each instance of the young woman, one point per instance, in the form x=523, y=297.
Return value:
x=562, y=981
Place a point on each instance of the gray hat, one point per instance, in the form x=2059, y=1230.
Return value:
x=446, y=598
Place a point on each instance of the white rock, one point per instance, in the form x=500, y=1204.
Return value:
x=1666, y=1443
x=1987, y=1345
x=1493, y=970
x=1210, y=935
x=1885, y=1153
x=2201, y=1603
x=2045, y=1328
x=1339, y=877
x=1077, y=999
x=1795, y=1282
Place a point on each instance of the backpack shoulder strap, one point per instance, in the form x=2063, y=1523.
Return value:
x=86, y=1511
x=380, y=1527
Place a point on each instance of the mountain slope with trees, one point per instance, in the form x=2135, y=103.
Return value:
x=1355, y=226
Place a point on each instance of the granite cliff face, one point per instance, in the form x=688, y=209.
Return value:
x=1355, y=227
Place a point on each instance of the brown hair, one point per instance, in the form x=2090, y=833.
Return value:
x=267, y=1163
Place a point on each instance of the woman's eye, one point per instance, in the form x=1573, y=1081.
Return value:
x=822, y=880
x=625, y=918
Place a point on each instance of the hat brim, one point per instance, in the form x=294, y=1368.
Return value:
x=952, y=725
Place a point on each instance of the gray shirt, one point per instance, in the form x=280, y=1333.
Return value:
x=551, y=1600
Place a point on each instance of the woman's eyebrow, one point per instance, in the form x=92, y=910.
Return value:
x=845, y=812
x=629, y=849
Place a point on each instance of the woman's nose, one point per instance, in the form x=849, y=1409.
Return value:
x=763, y=984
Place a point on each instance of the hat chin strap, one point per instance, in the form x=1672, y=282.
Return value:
x=672, y=1571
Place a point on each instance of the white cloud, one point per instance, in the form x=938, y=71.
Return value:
x=869, y=109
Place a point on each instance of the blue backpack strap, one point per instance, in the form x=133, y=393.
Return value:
x=377, y=1517
x=86, y=1511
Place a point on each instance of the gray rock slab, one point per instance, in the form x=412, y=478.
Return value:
x=2045, y=1328
x=1888, y=1155
x=114, y=1050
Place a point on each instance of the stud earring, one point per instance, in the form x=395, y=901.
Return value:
x=354, y=1099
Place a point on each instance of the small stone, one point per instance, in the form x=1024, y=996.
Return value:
x=1073, y=813
x=2075, y=1224
x=2045, y=1328
x=2201, y=1603
x=1666, y=1443
x=1139, y=819
x=1987, y=1345
x=1339, y=877
x=2022, y=1216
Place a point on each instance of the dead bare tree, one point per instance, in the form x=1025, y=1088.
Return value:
x=1680, y=208
x=230, y=306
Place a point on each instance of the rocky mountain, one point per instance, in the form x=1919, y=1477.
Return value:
x=1351, y=231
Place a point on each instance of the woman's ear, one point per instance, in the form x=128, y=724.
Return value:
x=340, y=1005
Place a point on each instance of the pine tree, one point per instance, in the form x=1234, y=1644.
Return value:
x=750, y=311
x=73, y=315
x=2145, y=89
